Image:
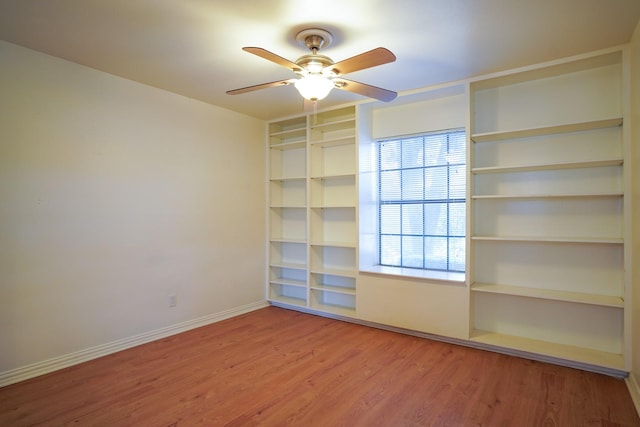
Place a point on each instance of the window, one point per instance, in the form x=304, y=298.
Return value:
x=421, y=201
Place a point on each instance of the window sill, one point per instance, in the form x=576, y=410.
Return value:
x=440, y=276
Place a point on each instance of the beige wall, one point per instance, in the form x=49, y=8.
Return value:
x=114, y=195
x=635, y=182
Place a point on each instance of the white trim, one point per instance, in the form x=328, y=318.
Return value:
x=44, y=367
x=634, y=390
x=416, y=273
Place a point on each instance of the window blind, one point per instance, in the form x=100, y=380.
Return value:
x=422, y=197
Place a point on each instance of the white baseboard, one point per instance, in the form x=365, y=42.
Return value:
x=50, y=365
x=634, y=390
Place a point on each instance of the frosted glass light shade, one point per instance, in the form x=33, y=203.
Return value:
x=314, y=87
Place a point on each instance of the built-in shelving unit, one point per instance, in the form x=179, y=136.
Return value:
x=547, y=211
x=313, y=210
x=548, y=268
x=287, y=153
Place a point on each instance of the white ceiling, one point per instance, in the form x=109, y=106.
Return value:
x=193, y=47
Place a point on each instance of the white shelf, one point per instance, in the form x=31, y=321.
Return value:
x=344, y=123
x=288, y=179
x=288, y=206
x=337, y=302
x=547, y=196
x=550, y=166
x=287, y=240
x=339, y=310
x=332, y=142
x=551, y=294
x=288, y=134
x=289, y=145
x=336, y=127
x=560, y=351
x=334, y=289
x=334, y=244
x=289, y=290
x=335, y=271
x=333, y=176
x=297, y=131
x=342, y=114
x=333, y=206
x=546, y=130
x=542, y=239
x=289, y=282
x=289, y=300
x=289, y=265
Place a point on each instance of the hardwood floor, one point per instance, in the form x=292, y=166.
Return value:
x=276, y=367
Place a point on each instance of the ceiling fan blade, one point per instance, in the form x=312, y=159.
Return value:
x=270, y=56
x=365, y=60
x=260, y=86
x=366, y=90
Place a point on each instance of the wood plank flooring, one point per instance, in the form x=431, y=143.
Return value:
x=277, y=367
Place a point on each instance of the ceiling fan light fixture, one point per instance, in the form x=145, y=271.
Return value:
x=314, y=67
x=314, y=87
x=318, y=74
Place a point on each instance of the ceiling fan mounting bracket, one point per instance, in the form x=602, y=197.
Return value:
x=314, y=39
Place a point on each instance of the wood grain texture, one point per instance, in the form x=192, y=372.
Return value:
x=275, y=367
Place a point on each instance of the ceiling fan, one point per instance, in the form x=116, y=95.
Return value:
x=318, y=74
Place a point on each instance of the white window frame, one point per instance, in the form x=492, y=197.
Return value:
x=370, y=239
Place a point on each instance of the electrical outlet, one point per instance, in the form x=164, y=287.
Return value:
x=173, y=300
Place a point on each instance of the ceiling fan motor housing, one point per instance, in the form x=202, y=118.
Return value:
x=314, y=39
x=314, y=63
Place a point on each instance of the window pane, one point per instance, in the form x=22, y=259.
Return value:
x=390, y=185
x=457, y=219
x=436, y=253
x=435, y=219
x=412, y=188
x=390, y=219
x=457, y=182
x=412, y=251
x=435, y=149
x=412, y=153
x=390, y=250
x=389, y=155
x=436, y=183
x=457, y=148
x=456, y=253
x=412, y=219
